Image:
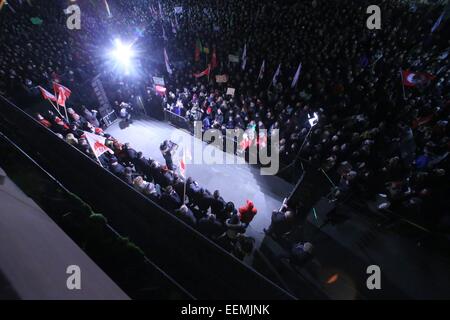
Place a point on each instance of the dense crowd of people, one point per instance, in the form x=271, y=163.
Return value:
x=206, y=211
x=379, y=137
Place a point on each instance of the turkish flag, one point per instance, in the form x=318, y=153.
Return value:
x=97, y=144
x=47, y=95
x=62, y=92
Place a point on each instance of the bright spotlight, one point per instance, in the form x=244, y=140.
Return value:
x=123, y=55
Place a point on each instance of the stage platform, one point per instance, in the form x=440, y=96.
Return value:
x=236, y=182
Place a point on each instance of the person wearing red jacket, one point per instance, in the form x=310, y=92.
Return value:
x=247, y=212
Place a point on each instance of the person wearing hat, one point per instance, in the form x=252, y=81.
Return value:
x=234, y=227
x=247, y=212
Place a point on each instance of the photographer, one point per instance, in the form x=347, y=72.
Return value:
x=167, y=148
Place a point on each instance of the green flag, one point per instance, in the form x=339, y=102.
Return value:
x=36, y=21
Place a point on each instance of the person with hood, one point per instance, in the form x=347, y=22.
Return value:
x=247, y=212
x=234, y=227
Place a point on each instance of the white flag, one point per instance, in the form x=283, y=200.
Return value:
x=275, y=76
x=261, y=71
x=97, y=144
x=244, y=57
x=166, y=61
x=297, y=74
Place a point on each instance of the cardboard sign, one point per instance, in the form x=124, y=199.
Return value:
x=233, y=58
x=221, y=78
x=230, y=91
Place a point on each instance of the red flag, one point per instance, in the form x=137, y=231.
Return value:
x=62, y=92
x=213, y=59
x=97, y=144
x=203, y=73
x=47, y=95
x=160, y=90
x=413, y=79
x=183, y=164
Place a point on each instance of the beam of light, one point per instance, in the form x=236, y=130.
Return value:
x=107, y=8
x=122, y=56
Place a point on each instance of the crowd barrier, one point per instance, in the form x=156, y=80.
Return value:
x=196, y=263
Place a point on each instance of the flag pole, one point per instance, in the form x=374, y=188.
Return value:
x=97, y=158
x=57, y=110
x=403, y=84
x=209, y=71
x=67, y=117
x=184, y=191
